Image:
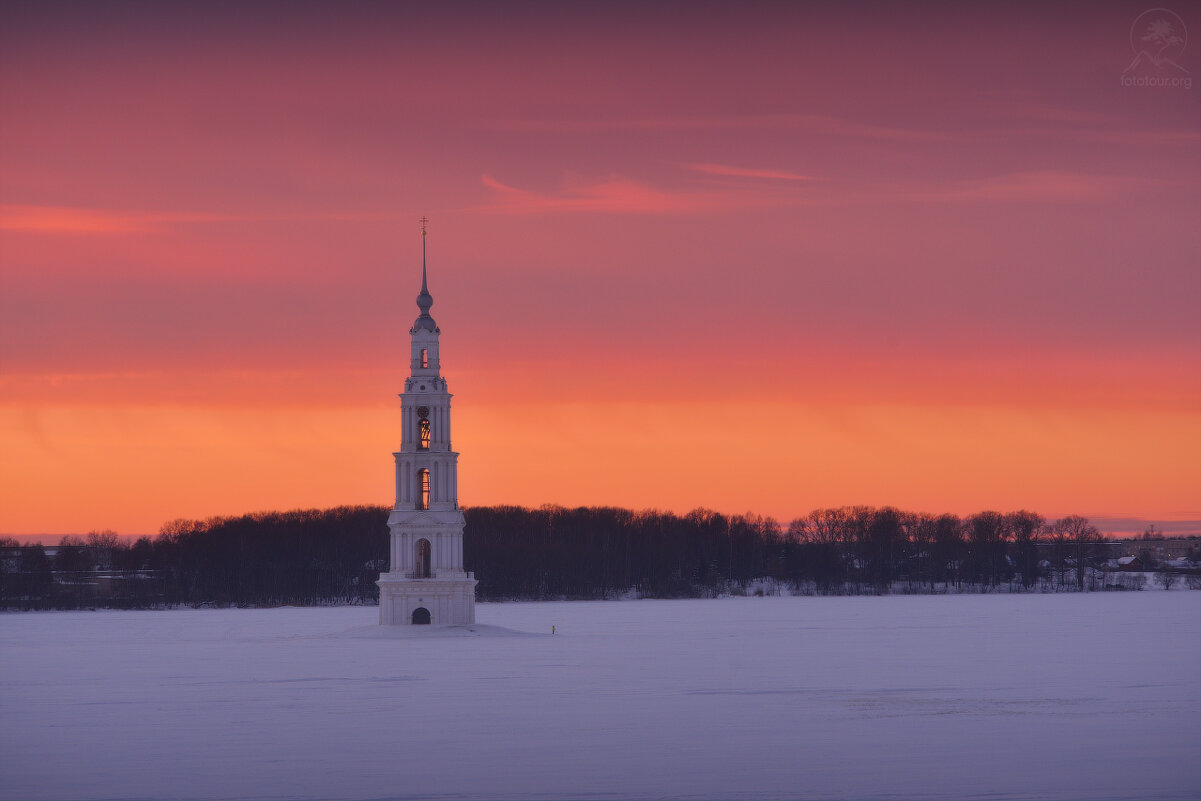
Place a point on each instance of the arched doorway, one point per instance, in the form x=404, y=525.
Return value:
x=421, y=616
x=423, y=559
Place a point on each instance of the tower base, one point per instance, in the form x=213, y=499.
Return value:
x=404, y=601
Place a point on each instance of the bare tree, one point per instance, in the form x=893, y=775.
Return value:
x=948, y=549
x=987, y=534
x=101, y=546
x=922, y=530
x=1165, y=579
x=71, y=556
x=1083, y=538
x=1027, y=529
x=36, y=579
x=828, y=534
x=1059, y=551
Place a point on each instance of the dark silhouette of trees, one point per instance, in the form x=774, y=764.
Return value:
x=301, y=557
x=334, y=556
x=881, y=535
x=35, y=582
x=988, y=535
x=71, y=556
x=100, y=548
x=1027, y=529
x=1059, y=551
x=824, y=555
x=1082, y=538
x=555, y=552
x=921, y=566
x=949, y=550
x=10, y=566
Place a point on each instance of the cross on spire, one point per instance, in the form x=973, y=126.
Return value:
x=424, y=220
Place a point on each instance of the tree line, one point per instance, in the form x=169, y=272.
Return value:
x=334, y=556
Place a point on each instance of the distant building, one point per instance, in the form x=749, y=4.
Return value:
x=1130, y=563
x=1160, y=550
x=426, y=582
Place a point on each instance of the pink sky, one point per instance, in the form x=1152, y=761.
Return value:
x=764, y=257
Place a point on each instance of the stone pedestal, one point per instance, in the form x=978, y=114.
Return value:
x=449, y=601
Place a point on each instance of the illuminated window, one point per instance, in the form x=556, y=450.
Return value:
x=423, y=559
x=423, y=489
x=425, y=358
x=423, y=435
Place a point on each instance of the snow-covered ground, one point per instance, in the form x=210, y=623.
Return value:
x=1093, y=696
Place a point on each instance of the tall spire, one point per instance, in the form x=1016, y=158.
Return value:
x=425, y=299
x=424, y=221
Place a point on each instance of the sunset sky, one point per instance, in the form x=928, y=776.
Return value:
x=763, y=257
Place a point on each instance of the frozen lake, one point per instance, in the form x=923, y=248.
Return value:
x=963, y=697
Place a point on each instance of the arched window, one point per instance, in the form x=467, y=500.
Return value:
x=422, y=568
x=425, y=357
x=423, y=488
x=423, y=435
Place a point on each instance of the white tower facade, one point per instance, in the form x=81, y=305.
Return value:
x=426, y=582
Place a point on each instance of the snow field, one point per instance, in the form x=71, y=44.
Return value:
x=1094, y=696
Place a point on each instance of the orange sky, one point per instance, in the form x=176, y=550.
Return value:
x=764, y=258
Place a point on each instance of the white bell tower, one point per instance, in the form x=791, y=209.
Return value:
x=426, y=582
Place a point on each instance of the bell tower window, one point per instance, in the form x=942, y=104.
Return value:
x=423, y=488
x=423, y=428
x=423, y=559
x=425, y=357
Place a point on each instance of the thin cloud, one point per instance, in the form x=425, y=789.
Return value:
x=1027, y=108
x=615, y=195
x=1137, y=138
x=1049, y=186
x=813, y=123
x=63, y=220
x=74, y=220
x=1021, y=187
x=625, y=196
x=744, y=172
x=1049, y=122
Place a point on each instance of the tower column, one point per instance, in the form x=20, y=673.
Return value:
x=431, y=537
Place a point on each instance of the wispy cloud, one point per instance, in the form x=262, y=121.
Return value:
x=1025, y=187
x=1005, y=107
x=77, y=220
x=1024, y=121
x=1113, y=136
x=65, y=220
x=813, y=123
x=613, y=195
x=780, y=189
x=744, y=172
